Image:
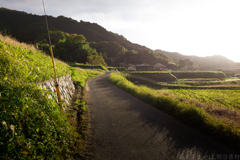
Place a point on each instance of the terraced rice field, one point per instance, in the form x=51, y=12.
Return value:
x=212, y=110
x=224, y=98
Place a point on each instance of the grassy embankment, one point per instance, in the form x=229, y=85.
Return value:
x=96, y=67
x=32, y=125
x=208, y=112
x=87, y=66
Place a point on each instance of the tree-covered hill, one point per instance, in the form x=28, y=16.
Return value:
x=204, y=63
x=114, y=48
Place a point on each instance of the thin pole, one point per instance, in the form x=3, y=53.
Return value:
x=51, y=50
x=46, y=23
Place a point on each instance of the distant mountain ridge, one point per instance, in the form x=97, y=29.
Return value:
x=204, y=63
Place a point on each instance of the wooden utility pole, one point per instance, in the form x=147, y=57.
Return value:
x=51, y=50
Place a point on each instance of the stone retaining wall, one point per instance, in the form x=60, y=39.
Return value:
x=66, y=86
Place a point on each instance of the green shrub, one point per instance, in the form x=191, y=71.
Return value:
x=41, y=130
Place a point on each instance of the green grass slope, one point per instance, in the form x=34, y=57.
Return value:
x=88, y=66
x=32, y=125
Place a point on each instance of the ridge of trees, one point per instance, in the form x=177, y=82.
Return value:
x=94, y=40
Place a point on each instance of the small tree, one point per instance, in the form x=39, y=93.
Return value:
x=184, y=63
x=96, y=60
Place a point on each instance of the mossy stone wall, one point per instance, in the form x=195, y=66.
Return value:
x=66, y=86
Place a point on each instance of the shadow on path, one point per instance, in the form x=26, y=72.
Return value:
x=126, y=128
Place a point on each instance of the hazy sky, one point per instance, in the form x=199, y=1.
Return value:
x=190, y=27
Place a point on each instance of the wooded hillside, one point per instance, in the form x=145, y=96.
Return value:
x=95, y=40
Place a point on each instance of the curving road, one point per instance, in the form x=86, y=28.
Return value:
x=125, y=128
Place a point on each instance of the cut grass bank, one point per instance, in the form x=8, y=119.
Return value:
x=87, y=66
x=32, y=125
x=202, y=116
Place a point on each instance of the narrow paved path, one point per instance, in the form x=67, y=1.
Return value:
x=125, y=128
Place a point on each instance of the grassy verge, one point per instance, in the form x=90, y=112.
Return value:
x=190, y=111
x=82, y=76
x=78, y=104
x=32, y=125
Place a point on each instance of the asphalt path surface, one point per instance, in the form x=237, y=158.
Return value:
x=125, y=128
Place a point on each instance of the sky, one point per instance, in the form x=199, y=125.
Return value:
x=190, y=27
